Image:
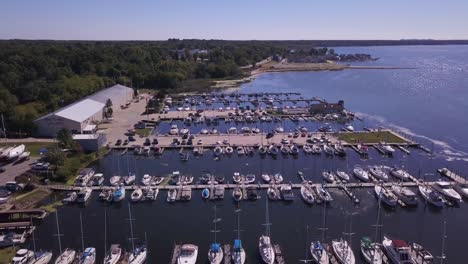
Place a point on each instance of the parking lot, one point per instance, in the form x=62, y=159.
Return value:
x=15, y=169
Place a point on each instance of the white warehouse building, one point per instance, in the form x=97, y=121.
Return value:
x=81, y=117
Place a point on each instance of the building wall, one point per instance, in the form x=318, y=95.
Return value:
x=48, y=127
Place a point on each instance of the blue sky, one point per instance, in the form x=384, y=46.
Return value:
x=239, y=19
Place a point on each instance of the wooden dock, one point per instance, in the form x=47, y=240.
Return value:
x=452, y=175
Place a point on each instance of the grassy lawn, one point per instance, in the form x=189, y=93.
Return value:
x=144, y=132
x=6, y=254
x=27, y=200
x=370, y=137
x=34, y=147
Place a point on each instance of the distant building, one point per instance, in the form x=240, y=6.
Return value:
x=327, y=108
x=81, y=117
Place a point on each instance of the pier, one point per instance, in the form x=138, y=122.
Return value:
x=452, y=175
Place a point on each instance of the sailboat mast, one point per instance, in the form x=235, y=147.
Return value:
x=444, y=236
x=81, y=230
x=131, y=227
x=324, y=228
x=58, y=232
x=238, y=223
x=377, y=224
x=105, y=230
x=267, y=219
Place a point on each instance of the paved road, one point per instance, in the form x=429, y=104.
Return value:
x=27, y=140
x=13, y=170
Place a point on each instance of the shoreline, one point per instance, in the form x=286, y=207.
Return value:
x=298, y=67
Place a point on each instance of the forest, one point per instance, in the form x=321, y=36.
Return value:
x=40, y=76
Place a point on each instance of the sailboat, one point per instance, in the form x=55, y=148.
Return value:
x=317, y=248
x=40, y=257
x=115, y=252
x=215, y=253
x=138, y=254
x=372, y=251
x=264, y=244
x=238, y=254
x=89, y=254
x=342, y=249
x=68, y=255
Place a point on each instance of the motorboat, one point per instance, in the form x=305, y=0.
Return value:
x=146, y=180
x=149, y=194
x=328, y=176
x=386, y=148
x=42, y=257
x=421, y=251
x=205, y=194
x=266, y=178
x=385, y=195
x=98, y=179
x=232, y=130
x=119, y=194
x=361, y=174
x=218, y=151
x=219, y=179
x=397, y=251
x=343, y=252
x=157, y=180
x=307, y=195
x=15, y=152
x=113, y=256
x=238, y=253
x=405, y=194
x=115, y=180
x=252, y=193
x=285, y=150
x=171, y=195
x=228, y=150
x=136, y=195
x=278, y=178
x=339, y=150
x=322, y=193
x=371, y=252
x=307, y=149
x=446, y=189
x=462, y=189
x=237, y=178
x=431, y=196
x=319, y=253
x=70, y=198
x=349, y=128
x=316, y=149
x=88, y=256
x=273, y=193
x=279, y=130
x=250, y=178
x=23, y=256
x=188, y=179
x=130, y=179
x=287, y=193
x=400, y=174
x=273, y=150
x=378, y=173
x=263, y=150
x=184, y=131
x=328, y=150
x=294, y=150
x=66, y=257
x=215, y=254
x=188, y=254
x=237, y=194
x=266, y=250
x=83, y=195
x=138, y=255
x=343, y=175
x=174, y=130
x=8, y=239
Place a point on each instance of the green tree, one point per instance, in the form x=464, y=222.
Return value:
x=55, y=157
x=64, y=136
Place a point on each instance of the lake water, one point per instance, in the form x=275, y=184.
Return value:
x=428, y=104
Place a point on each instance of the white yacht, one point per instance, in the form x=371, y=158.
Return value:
x=23, y=256
x=343, y=252
x=119, y=194
x=400, y=174
x=88, y=256
x=266, y=250
x=138, y=255
x=446, y=189
x=174, y=130
x=462, y=189
x=398, y=251
x=146, y=180
x=188, y=254
x=361, y=174
x=66, y=257
x=83, y=195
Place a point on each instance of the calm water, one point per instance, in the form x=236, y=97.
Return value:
x=427, y=103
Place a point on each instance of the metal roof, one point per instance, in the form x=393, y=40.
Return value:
x=111, y=92
x=81, y=111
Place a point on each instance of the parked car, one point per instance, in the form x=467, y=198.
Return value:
x=125, y=142
x=131, y=139
x=2, y=169
x=155, y=141
x=147, y=142
x=119, y=142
